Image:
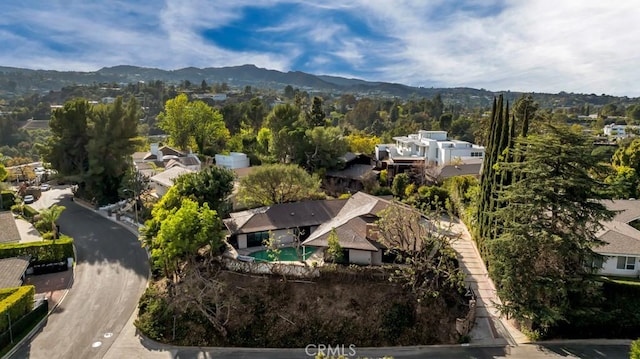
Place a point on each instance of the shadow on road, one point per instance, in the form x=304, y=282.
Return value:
x=87, y=227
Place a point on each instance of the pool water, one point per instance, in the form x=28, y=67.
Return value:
x=286, y=254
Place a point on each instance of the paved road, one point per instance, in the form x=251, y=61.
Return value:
x=111, y=274
x=523, y=351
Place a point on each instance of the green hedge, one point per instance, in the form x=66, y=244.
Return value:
x=25, y=210
x=40, y=252
x=18, y=303
x=8, y=199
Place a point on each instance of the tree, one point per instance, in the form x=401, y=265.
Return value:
x=49, y=217
x=66, y=149
x=361, y=143
x=183, y=232
x=208, y=127
x=628, y=155
x=316, y=117
x=424, y=247
x=113, y=136
x=212, y=185
x=273, y=248
x=175, y=121
x=400, y=183
x=278, y=183
x=193, y=121
x=284, y=137
x=549, y=220
x=327, y=145
x=334, y=250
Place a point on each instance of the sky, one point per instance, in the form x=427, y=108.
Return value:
x=580, y=46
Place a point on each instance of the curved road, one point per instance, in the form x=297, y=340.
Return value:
x=110, y=275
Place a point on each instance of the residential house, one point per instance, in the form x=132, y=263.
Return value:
x=621, y=250
x=358, y=168
x=13, y=271
x=165, y=157
x=9, y=232
x=430, y=149
x=285, y=221
x=620, y=131
x=311, y=223
x=355, y=228
x=164, y=180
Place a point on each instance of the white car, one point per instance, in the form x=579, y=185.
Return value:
x=29, y=199
x=45, y=187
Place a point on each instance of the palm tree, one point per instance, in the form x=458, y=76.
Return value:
x=50, y=216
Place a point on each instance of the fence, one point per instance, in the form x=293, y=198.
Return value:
x=23, y=325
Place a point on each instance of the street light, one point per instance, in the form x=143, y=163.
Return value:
x=135, y=203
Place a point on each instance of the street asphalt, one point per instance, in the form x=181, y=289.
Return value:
x=110, y=276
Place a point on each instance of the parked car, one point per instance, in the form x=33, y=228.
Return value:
x=29, y=199
x=45, y=187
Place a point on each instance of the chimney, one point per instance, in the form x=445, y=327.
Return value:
x=372, y=231
x=155, y=150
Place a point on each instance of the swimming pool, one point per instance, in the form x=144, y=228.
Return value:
x=286, y=254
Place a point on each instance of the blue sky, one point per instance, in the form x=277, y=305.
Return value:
x=583, y=46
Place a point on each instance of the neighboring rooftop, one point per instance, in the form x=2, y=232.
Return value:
x=619, y=237
x=166, y=177
x=9, y=232
x=284, y=215
x=12, y=271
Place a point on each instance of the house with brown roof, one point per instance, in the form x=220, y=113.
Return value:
x=310, y=223
x=286, y=221
x=9, y=232
x=621, y=248
x=355, y=228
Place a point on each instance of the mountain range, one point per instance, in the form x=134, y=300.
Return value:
x=18, y=81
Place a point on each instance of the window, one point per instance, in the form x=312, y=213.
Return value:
x=255, y=239
x=626, y=263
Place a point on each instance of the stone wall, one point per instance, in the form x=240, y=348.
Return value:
x=289, y=269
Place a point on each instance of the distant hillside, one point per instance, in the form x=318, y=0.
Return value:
x=17, y=82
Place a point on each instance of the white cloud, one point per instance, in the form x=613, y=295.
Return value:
x=535, y=45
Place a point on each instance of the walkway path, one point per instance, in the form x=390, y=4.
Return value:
x=489, y=328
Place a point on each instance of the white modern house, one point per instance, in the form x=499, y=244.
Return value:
x=232, y=161
x=621, y=248
x=620, y=131
x=432, y=147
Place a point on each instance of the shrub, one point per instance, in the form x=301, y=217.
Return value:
x=16, y=304
x=8, y=199
x=40, y=252
x=154, y=315
x=635, y=349
x=432, y=197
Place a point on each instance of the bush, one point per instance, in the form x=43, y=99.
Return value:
x=432, y=197
x=25, y=210
x=40, y=252
x=8, y=199
x=635, y=349
x=16, y=304
x=154, y=315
